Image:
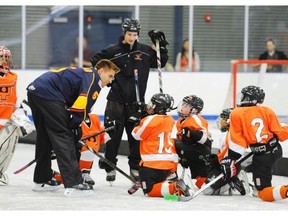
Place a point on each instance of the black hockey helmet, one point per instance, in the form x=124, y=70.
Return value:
x=131, y=25
x=196, y=104
x=223, y=121
x=161, y=103
x=251, y=95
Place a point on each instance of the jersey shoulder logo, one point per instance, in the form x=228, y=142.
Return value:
x=138, y=56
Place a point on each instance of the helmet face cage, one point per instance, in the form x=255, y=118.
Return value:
x=184, y=109
x=131, y=25
x=194, y=102
x=5, y=56
x=223, y=121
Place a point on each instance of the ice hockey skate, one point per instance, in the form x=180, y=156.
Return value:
x=79, y=190
x=51, y=185
x=111, y=176
x=87, y=178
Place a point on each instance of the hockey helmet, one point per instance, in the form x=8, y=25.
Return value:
x=190, y=104
x=5, y=56
x=161, y=103
x=223, y=121
x=251, y=96
x=131, y=25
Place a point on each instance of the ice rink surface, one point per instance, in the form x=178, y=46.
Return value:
x=18, y=195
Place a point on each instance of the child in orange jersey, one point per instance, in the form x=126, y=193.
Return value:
x=89, y=126
x=239, y=182
x=193, y=132
x=158, y=154
x=256, y=126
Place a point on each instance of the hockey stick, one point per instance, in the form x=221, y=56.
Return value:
x=188, y=198
x=159, y=66
x=107, y=161
x=82, y=139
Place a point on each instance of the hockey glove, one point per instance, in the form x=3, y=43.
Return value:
x=228, y=168
x=191, y=136
x=160, y=36
x=116, y=123
x=135, y=118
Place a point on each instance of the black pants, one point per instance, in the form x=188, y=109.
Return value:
x=121, y=112
x=149, y=176
x=262, y=167
x=52, y=126
x=193, y=155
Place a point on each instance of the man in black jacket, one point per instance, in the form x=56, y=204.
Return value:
x=128, y=54
x=272, y=54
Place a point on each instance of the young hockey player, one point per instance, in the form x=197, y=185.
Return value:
x=157, y=149
x=89, y=126
x=60, y=100
x=128, y=54
x=239, y=182
x=256, y=126
x=193, y=132
x=13, y=120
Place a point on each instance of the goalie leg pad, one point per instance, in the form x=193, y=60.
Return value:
x=9, y=136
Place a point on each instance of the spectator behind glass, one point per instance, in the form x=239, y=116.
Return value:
x=182, y=62
x=272, y=54
x=87, y=54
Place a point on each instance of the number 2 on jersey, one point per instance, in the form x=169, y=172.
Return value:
x=259, y=122
x=162, y=136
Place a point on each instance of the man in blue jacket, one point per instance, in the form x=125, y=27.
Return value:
x=60, y=100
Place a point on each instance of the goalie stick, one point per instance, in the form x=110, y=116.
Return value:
x=82, y=139
x=188, y=198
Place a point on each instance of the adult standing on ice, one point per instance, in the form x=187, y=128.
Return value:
x=128, y=54
x=60, y=100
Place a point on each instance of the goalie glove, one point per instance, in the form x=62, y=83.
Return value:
x=228, y=167
x=160, y=36
x=19, y=118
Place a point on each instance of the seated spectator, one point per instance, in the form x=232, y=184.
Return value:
x=87, y=53
x=272, y=54
x=182, y=59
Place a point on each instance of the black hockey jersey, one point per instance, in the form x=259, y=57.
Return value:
x=141, y=57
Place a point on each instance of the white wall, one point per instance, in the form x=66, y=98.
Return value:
x=212, y=87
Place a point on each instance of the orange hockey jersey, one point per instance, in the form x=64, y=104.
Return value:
x=193, y=122
x=156, y=146
x=254, y=125
x=95, y=126
x=8, y=96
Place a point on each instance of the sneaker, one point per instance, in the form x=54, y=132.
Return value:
x=134, y=174
x=4, y=180
x=181, y=188
x=51, y=185
x=244, y=179
x=111, y=176
x=83, y=189
x=87, y=178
